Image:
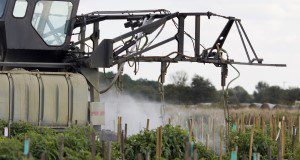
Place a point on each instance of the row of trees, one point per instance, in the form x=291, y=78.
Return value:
x=201, y=90
x=275, y=94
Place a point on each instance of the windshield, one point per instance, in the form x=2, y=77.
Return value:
x=50, y=19
x=2, y=7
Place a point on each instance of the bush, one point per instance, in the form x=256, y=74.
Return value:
x=261, y=142
x=10, y=149
x=20, y=128
x=297, y=151
x=42, y=144
x=173, y=147
x=204, y=153
x=43, y=140
x=78, y=140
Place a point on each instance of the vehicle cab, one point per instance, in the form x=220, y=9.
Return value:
x=36, y=30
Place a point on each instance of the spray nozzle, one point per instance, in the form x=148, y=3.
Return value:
x=224, y=74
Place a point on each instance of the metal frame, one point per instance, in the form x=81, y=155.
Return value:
x=104, y=55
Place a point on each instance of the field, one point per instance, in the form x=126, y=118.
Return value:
x=191, y=132
x=269, y=133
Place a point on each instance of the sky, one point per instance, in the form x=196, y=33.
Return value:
x=273, y=27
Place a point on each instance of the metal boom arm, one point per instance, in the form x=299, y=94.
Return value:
x=105, y=55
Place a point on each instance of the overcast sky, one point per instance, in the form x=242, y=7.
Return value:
x=272, y=25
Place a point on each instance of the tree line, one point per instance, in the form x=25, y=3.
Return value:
x=201, y=90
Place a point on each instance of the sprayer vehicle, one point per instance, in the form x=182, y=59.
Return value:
x=47, y=78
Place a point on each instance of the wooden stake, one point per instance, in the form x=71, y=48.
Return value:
x=206, y=141
x=214, y=136
x=251, y=143
x=238, y=126
x=227, y=134
x=299, y=128
x=271, y=127
x=275, y=127
x=280, y=156
x=93, y=147
x=190, y=130
x=278, y=118
x=221, y=141
x=125, y=134
x=256, y=122
x=139, y=156
x=243, y=123
x=43, y=156
x=196, y=156
x=147, y=156
x=289, y=126
x=158, y=143
x=187, y=151
x=122, y=148
x=269, y=153
x=209, y=125
x=119, y=129
x=249, y=120
x=61, y=156
x=294, y=130
x=109, y=150
x=283, y=135
x=202, y=128
x=263, y=125
x=147, y=125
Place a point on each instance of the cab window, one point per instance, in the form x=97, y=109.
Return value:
x=20, y=8
x=50, y=20
x=2, y=7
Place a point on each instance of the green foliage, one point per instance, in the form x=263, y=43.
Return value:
x=200, y=91
x=173, y=147
x=77, y=143
x=275, y=94
x=239, y=95
x=203, y=152
x=76, y=140
x=204, y=90
x=42, y=143
x=20, y=128
x=179, y=94
x=10, y=149
x=292, y=95
x=297, y=151
x=261, y=142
